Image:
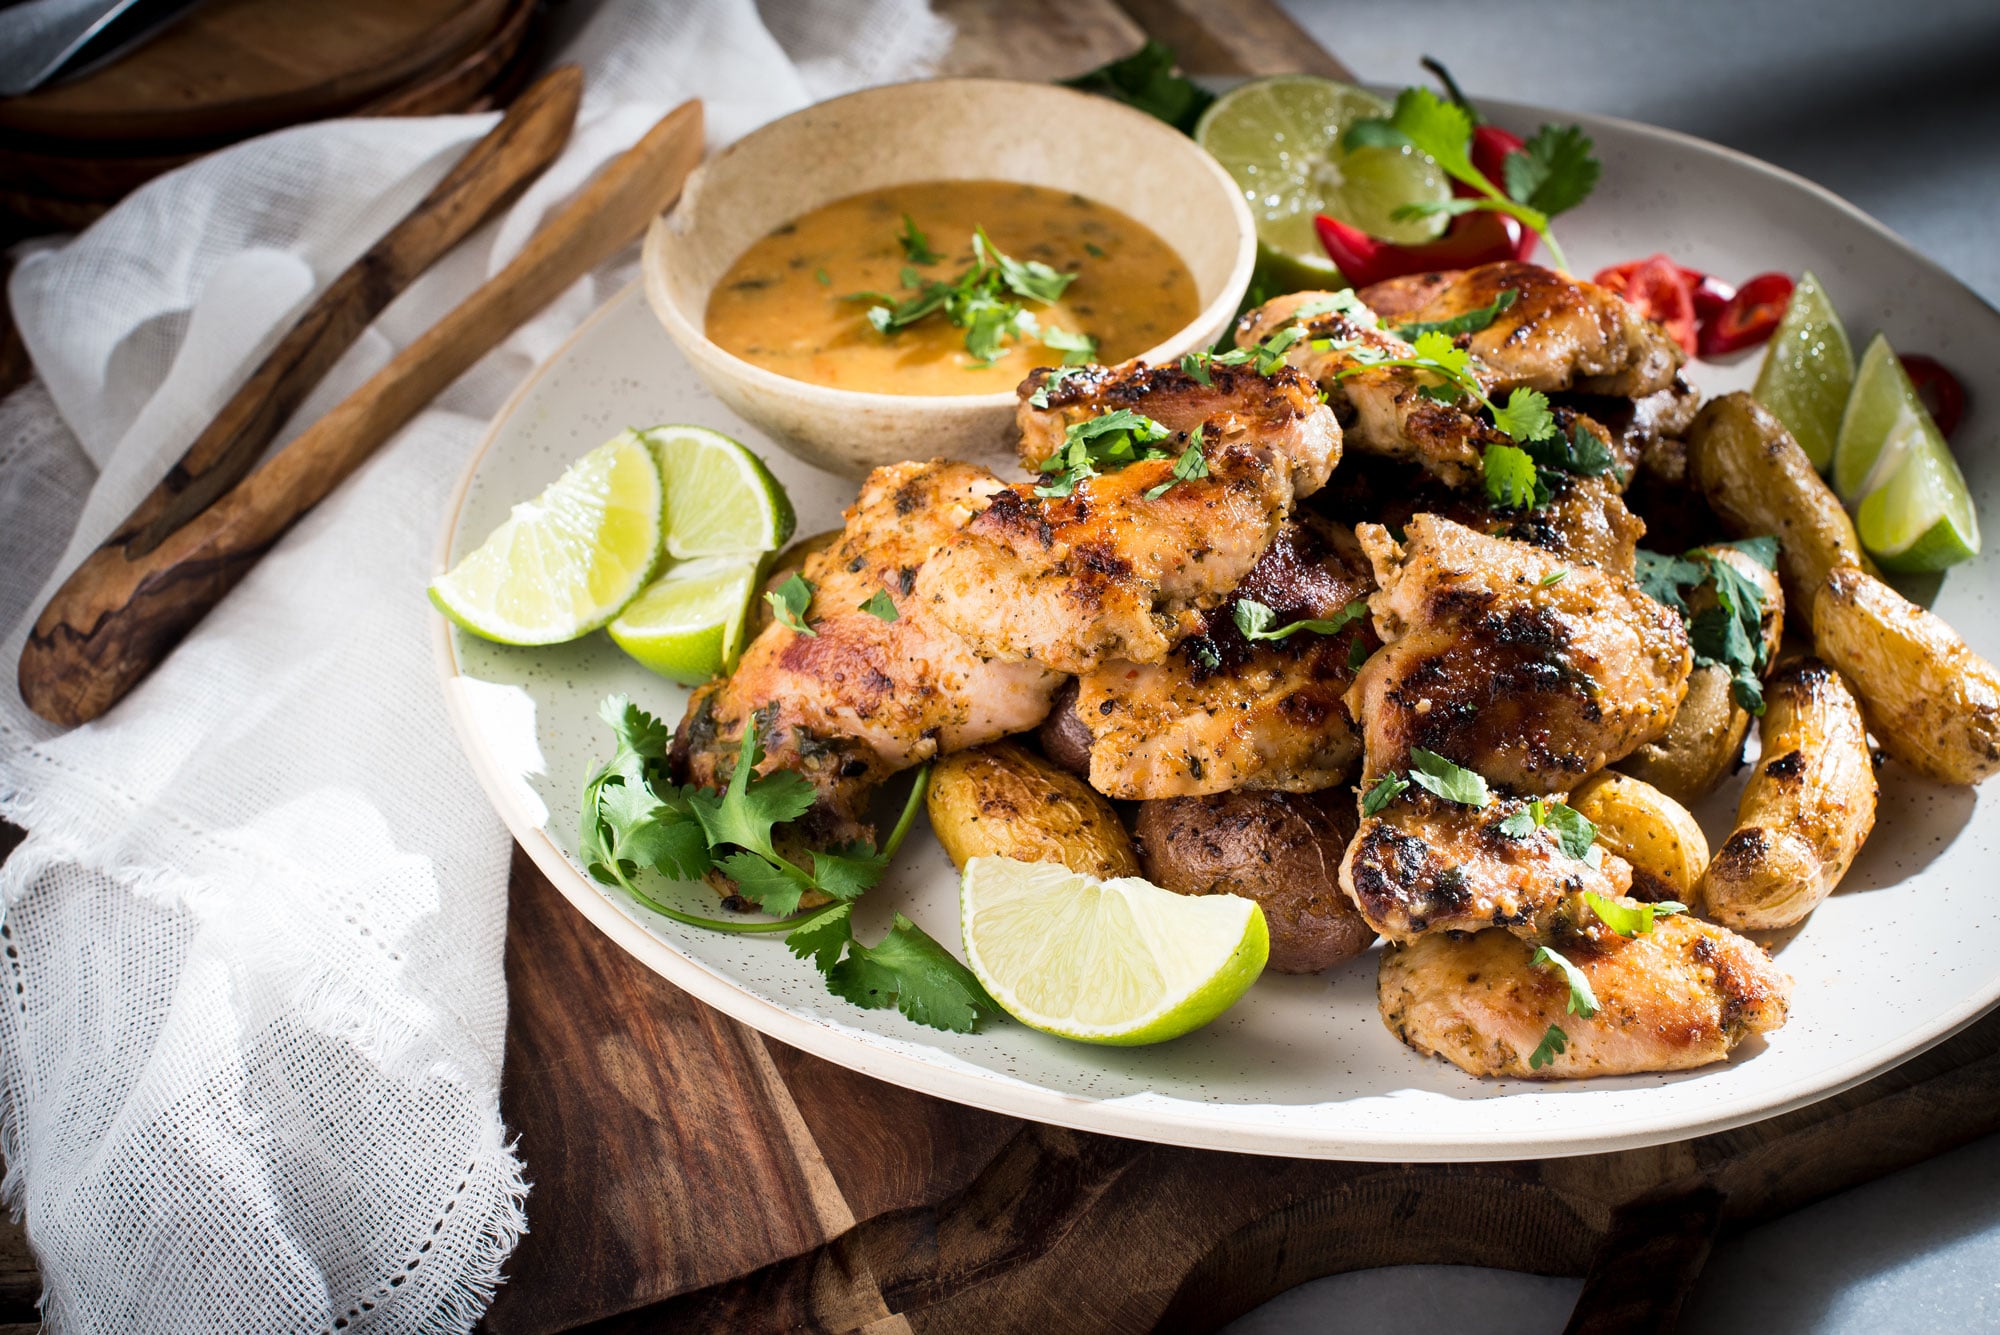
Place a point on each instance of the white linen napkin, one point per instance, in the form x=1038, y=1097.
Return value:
x=250, y=1060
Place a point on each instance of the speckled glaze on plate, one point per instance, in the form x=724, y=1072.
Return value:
x=1900, y=957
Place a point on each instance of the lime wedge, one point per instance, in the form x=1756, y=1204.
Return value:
x=688, y=624
x=1915, y=513
x=1280, y=139
x=1808, y=371
x=721, y=499
x=565, y=562
x=1120, y=961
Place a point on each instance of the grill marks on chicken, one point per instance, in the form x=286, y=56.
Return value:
x=1113, y=570
x=1585, y=522
x=1222, y=712
x=1507, y=659
x=1560, y=332
x=861, y=697
x=1679, y=997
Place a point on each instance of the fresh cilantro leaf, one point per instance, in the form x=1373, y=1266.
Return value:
x=1574, y=830
x=914, y=973
x=1471, y=322
x=637, y=731
x=1521, y=824
x=916, y=246
x=1553, y=578
x=845, y=872
x=1554, y=1043
x=1663, y=577
x=744, y=813
x=823, y=278
x=1027, y=278
x=1093, y=250
x=1110, y=440
x=1055, y=380
x=1554, y=171
x=1146, y=80
x=1077, y=349
x=1582, y=1001
x=772, y=888
x=1202, y=650
x=1192, y=464
x=1454, y=783
x=1343, y=303
x=1357, y=653
x=788, y=604
x=1764, y=550
x=1254, y=620
x=1731, y=633
x=823, y=936
x=1525, y=416
x=1629, y=920
x=1196, y=366
x=880, y=605
x=1510, y=477
x=1384, y=791
x=1580, y=450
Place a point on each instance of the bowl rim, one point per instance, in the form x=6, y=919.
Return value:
x=691, y=337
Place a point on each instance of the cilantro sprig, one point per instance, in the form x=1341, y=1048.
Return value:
x=1103, y=443
x=1630, y=920
x=634, y=819
x=1729, y=634
x=1434, y=774
x=986, y=300
x=1191, y=466
x=1554, y=1043
x=1471, y=322
x=1582, y=1001
x=1553, y=172
x=789, y=602
x=1575, y=834
x=1254, y=620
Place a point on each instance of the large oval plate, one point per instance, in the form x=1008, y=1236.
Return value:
x=1899, y=958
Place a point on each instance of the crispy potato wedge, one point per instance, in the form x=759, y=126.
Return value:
x=1004, y=801
x=1805, y=812
x=1759, y=481
x=1281, y=849
x=1930, y=700
x=1701, y=746
x=1638, y=822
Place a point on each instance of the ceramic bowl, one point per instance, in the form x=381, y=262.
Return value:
x=943, y=129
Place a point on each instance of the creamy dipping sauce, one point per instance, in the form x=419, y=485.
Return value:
x=779, y=306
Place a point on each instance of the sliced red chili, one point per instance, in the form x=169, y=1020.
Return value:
x=1472, y=239
x=1749, y=317
x=1660, y=290
x=1940, y=390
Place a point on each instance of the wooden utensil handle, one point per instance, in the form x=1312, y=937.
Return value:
x=514, y=152
x=120, y=614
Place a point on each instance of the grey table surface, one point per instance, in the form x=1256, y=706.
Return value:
x=1896, y=106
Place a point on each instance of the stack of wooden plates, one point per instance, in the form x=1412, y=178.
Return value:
x=230, y=69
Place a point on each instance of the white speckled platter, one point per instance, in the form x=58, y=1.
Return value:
x=1901, y=956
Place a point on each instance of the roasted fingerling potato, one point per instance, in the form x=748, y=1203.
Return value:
x=1702, y=745
x=1657, y=835
x=1805, y=811
x=1930, y=700
x=1759, y=481
x=1004, y=801
x=1281, y=849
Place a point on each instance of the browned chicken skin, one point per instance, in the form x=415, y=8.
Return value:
x=1585, y=521
x=1119, y=569
x=1679, y=997
x=1560, y=333
x=1221, y=712
x=861, y=698
x=1509, y=660
x=1424, y=864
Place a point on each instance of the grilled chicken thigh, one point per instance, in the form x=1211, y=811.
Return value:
x=1585, y=522
x=1125, y=565
x=1382, y=409
x=1678, y=997
x=1514, y=662
x=1223, y=712
x=1423, y=864
x=861, y=698
x=1560, y=332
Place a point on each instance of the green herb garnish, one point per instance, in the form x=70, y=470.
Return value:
x=789, y=602
x=1554, y=1043
x=881, y=605
x=1454, y=783
x=1191, y=465
x=982, y=300
x=1729, y=634
x=1097, y=444
x=1582, y=1001
x=1630, y=920
x=1146, y=80
x=1469, y=323
x=1384, y=791
x=916, y=246
x=1254, y=620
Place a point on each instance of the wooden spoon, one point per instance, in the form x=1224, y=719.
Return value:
x=123, y=611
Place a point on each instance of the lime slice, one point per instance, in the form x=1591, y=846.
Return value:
x=565, y=562
x=721, y=499
x=1280, y=139
x=688, y=624
x=1121, y=961
x=1915, y=513
x=1808, y=371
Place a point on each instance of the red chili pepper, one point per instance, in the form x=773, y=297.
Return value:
x=1940, y=390
x=1473, y=238
x=1749, y=318
x=1661, y=290
x=1711, y=294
